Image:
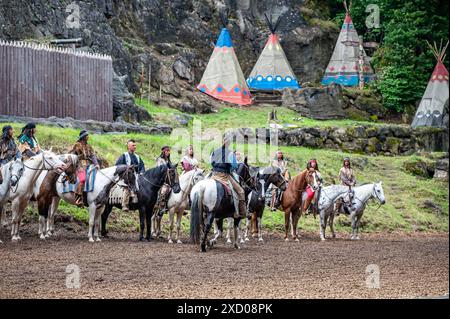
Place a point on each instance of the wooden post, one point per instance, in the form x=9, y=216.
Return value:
x=149, y=80
x=361, y=63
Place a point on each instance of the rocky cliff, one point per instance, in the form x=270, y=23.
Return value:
x=174, y=39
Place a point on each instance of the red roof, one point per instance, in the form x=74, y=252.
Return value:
x=440, y=73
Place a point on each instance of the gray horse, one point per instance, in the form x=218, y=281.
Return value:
x=360, y=198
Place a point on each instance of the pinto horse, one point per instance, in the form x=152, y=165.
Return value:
x=149, y=185
x=292, y=200
x=210, y=201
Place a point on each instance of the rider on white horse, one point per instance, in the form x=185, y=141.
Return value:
x=347, y=178
x=8, y=148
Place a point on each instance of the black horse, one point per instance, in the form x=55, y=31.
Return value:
x=211, y=200
x=149, y=185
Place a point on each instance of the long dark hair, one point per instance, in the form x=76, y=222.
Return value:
x=308, y=165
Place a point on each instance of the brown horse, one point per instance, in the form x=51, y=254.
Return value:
x=292, y=200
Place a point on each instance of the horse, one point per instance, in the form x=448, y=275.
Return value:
x=45, y=191
x=362, y=194
x=21, y=195
x=325, y=205
x=11, y=172
x=149, y=184
x=292, y=200
x=96, y=200
x=256, y=199
x=178, y=203
x=210, y=200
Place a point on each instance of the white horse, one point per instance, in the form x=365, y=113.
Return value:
x=11, y=173
x=45, y=190
x=21, y=195
x=105, y=179
x=361, y=196
x=327, y=197
x=178, y=203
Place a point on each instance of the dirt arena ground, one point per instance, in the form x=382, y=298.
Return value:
x=410, y=266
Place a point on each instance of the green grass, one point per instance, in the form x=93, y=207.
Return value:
x=249, y=117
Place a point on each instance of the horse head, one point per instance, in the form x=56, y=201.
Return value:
x=71, y=162
x=276, y=178
x=312, y=180
x=128, y=175
x=378, y=193
x=16, y=171
x=172, y=178
x=198, y=176
x=52, y=161
x=243, y=171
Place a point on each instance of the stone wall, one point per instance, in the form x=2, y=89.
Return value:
x=369, y=139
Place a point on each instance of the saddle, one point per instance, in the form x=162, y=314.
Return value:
x=117, y=193
x=91, y=172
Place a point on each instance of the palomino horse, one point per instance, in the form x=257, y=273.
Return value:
x=96, y=200
x=177, y=204
x=21, y=195
x=45, y=192
x=361, y=196
x=11, y=173
x=149, y=185
x=327, y=197
x=292, y=200
x=210, y=200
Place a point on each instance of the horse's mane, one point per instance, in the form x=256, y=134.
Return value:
x=269, y=170
x=155, y=171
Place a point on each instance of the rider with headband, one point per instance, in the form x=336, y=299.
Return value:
x=312, y=166
x=347, y=178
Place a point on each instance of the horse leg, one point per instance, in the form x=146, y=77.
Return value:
x=98, y=218
x=171, y=217
x=148, y=217
x=51, y=216
x=287, y=216
x=209, y=222
x=141, y=223
x=248, y=225
x=236, y=223
x=295, y=218
x=355, y=226
x=229, y=225
x=331, y=223
x=322, y=225
x=240, y=232
x=217, y=231
x=105, y=215
x=92, y=216
x=179, y=217
x=260, y=238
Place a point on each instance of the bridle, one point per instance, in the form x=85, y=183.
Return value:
x=44, y=161
x=166, y=178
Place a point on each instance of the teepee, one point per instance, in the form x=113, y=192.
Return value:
x=345, y=65
x=431, y=108
x=272, y=70
x=223, y=78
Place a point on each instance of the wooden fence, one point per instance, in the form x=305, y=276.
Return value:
x=39, y=81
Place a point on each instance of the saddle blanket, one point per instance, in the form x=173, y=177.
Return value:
x=91, y=172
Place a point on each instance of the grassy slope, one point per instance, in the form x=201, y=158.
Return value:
x=404, y=193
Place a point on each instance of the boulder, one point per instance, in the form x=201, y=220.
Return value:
x=441, y=169
x=322, y=103
x=419, y=168
x=370, y=105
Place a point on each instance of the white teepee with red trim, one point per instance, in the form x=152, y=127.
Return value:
x=431, y=107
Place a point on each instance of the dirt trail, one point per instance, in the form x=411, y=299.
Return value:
x=120, y=267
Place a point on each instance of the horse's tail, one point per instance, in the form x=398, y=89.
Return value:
x=196, y=214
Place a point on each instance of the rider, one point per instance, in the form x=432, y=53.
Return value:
x=312, y=166
x=164, y=192
x=189, y=162
x=28, y=144
x=86, y=157
x=130, y=158
x=281, y=163
x=347, y=178
x=8, y=148
x=223, y=161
